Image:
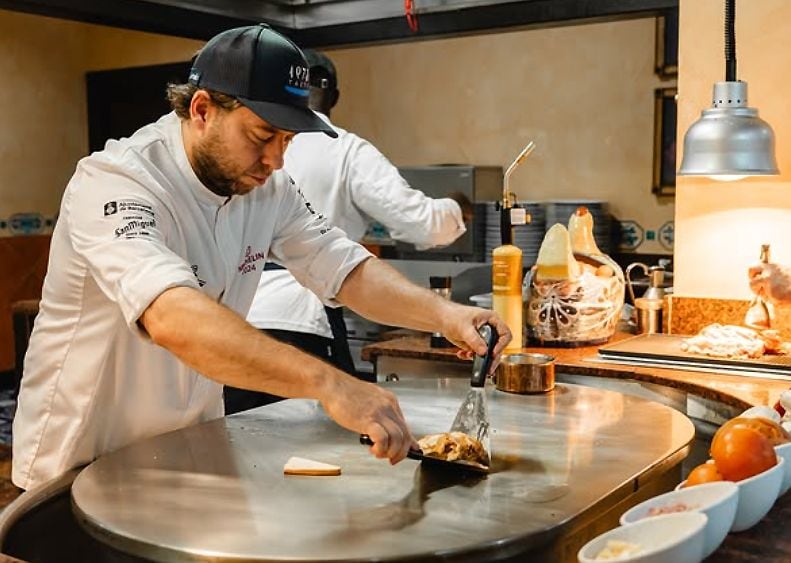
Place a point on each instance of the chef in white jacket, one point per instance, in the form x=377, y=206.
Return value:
x=156, y=256
x=353, y=184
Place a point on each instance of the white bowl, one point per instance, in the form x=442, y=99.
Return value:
x=670, y=538
x=784, y=451
x=718, y=501
x=757, y=495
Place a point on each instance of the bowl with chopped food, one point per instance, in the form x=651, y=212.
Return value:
x=718, y=501
x=669, y=538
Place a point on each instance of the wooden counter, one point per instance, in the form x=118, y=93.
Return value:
x=734, y=390
x=767, y=542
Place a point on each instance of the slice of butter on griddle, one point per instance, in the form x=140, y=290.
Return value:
x=304, y=466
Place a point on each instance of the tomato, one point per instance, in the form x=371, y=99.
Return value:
x=769, y=428
x=703, y=473
x=741, y=452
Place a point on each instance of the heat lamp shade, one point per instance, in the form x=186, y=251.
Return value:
x=729, y=141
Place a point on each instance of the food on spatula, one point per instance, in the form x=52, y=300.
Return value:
x=726, y=341
x=304, y=466
x=555, y=259
x=581, y=232
x=453, y=446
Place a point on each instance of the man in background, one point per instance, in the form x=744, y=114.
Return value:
x=353, y=184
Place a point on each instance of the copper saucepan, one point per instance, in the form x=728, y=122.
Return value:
x=526, y=373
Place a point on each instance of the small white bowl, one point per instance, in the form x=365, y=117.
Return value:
x=718, y=501
x=784, y=451
x=757, y=495
x=676, y=538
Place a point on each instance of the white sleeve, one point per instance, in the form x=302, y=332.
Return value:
x=410, y=215
x=319, y=256
x=119, y=229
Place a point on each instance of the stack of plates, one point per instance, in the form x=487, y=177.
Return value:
x=559, y=211
x=527, y=237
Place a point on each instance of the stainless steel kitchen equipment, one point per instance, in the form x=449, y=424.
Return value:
x=472, y=418
x=477, y=183
x=526, y=373
x=648, y=309
x=216, y=491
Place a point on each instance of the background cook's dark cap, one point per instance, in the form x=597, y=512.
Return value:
x=265, y=71
x=321, y=68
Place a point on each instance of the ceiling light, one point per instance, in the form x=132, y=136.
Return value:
x=729, y=141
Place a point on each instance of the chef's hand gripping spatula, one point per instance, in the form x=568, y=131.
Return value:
x=472, y=417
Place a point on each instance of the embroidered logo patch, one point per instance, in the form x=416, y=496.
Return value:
x=110, y=208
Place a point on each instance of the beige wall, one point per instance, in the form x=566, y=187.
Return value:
x=585, y=94
x=720, y=226
x=42, y=94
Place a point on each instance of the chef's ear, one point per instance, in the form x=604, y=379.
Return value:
x=200, y=106
x=334, y=96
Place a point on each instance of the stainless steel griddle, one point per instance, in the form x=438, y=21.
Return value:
x=216, y=492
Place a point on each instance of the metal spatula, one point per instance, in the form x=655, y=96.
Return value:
x=472, y=417
x=418, y=455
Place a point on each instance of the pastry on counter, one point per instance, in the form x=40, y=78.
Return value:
x=735, y=342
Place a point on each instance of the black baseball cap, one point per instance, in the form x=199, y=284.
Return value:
x=321, y=68
x=265, y=71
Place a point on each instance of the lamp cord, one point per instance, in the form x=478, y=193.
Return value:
x=730, y=41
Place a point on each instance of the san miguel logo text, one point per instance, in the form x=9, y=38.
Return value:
x=132, y=218
x=250, y=258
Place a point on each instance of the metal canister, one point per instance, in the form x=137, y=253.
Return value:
x=649, y=315
x=526, y=373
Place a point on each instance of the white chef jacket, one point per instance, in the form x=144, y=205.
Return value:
x=352, y=183
x=135, y=221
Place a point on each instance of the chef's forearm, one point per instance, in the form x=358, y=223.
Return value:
x=379, y=293
x=221, y=345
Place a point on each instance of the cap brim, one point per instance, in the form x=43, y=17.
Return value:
x=289, y=118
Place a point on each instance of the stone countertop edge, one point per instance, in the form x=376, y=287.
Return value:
x=733, y=390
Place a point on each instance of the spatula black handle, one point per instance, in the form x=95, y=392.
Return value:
x=481, y=364
x=365, y=440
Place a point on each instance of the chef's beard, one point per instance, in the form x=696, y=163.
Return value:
x=217, y=172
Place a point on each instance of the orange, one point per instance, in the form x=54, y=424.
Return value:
x=741, y=452
x=703, y=473
x=769, y=428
